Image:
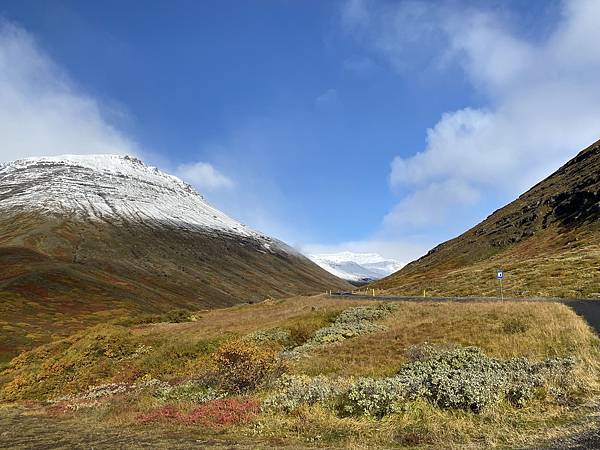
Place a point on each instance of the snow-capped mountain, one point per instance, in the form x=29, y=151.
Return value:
x=102, y=230
x=112, y=187
x=357, y=267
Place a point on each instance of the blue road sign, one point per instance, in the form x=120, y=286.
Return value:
x=499, y=274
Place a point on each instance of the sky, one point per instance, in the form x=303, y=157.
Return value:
x=361, y=125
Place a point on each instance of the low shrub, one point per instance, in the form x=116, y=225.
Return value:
x=225, y=412
x=292, y=391
x=274, y=335
x=212, y=414
x=366, y=313
x=449, y=378
x=370, y=397
x=103, y=354
x=242, y=365
x=350, y=323
x=426, y=351
x=71, y=364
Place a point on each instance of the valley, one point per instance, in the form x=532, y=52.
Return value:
x=135, y=314
x=342, y=224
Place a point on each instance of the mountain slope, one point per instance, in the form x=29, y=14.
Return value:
x=83, y=235
x=547, y=241
x=358, y=268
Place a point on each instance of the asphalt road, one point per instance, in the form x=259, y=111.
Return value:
x=589, y=309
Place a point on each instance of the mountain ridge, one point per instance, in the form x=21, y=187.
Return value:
x=547, y=241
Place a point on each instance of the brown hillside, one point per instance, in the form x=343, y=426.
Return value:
x=59, y=275
x=86, y=239
x=547, y=241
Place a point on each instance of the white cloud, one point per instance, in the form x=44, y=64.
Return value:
x=543, y=100
x=401, y=33
x=402, y=251
x=42, y=112
x=431, y=205
x=203, y=176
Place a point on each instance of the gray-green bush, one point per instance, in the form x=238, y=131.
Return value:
x=350, y=323
x=292, y=391
x=458, y=378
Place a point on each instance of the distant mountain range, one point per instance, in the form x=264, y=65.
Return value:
x=547, y=242
x=358, y=268
x=83, y=235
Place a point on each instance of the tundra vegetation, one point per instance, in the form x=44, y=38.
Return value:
x=325, y=373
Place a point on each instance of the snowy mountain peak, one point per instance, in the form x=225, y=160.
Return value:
x=357, y=267
x=108, y=188
x=120, y=165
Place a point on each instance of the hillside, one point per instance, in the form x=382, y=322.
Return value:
x=547, y=241
x=311, y=372
x=83, y=238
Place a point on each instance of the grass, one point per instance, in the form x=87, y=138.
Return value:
x=554, y=264
x=549, y=329
x=59, y=276
x=186, y=353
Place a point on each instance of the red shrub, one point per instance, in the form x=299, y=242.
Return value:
x=224, y=412
x=164, y=413
x=213, y=414
x=57, y=409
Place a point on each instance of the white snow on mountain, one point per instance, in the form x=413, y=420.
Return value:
x=112, y=187
x=357, y=267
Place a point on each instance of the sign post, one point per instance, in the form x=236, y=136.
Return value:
x=500, y=276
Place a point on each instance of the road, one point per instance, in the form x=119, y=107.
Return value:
x=589, y=309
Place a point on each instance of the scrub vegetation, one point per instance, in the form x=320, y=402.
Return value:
x=322, y=372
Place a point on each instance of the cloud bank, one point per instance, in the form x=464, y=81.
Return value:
x=42, y=112
x=542, y=99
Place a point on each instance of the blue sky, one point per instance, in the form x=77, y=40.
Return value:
x=334, y=125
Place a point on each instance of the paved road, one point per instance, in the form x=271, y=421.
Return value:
x=589, y=309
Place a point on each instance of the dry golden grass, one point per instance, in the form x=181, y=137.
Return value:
x=536, y=330
x=549, y=329
x=247, y=318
